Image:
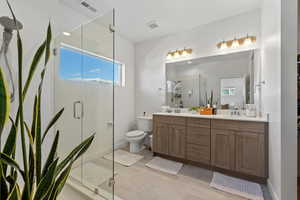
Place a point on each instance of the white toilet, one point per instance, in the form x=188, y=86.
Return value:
x=136, y=137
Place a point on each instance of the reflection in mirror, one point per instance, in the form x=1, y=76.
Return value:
x=226, y=81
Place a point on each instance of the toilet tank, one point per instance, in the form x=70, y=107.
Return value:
x=144, y=123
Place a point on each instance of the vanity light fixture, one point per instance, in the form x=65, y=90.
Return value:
x=179, y=53
x=237, y=42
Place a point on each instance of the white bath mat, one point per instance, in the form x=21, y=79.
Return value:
x=124, y=158
x=237, y=186
x=92, y=173
x=165, y=165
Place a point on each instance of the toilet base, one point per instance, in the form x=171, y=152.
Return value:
x=135, y=147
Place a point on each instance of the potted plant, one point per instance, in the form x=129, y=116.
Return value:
x=42, y=180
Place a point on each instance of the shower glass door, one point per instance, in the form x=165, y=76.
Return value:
x=85, y=74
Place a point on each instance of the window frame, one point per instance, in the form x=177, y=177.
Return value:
x=122, y=71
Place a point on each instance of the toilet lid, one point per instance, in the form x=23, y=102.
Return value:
x=134, y=133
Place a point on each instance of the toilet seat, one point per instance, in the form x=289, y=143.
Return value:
x=134, y=134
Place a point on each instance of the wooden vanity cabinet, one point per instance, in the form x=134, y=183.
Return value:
x=169, y=136
x=223, y=149
x=250, y=153
x=161, y=138
x=198, y=140
x=177, y=141
x=239, y=148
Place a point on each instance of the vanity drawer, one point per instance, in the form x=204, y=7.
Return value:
x=225, y=124
x=198, y=122
x=171, y=120
x=198, y=153
x=257, y=127
x=200, y=136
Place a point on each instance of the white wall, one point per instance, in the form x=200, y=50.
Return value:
x=150, y=55
x=271, y=91
x=279, y=30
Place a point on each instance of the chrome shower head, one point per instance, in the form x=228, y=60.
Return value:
x=9, y=24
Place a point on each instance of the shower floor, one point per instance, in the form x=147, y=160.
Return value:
x=92, y=173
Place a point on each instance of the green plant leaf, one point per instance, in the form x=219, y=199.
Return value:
x=12, y=180
x=85, y=147
x=20, y=89
x=48, y=43
x=76, y=153
x=4, y=101
x=15, y=193
x=52, y=122
x=31, y=142
x=34, y=64
x=34, y=118
x=38, y=141
x=3, y=185
x=10, y=143
x=9, y=161
x=52, y=154
x=60, y=182
x=45, y=185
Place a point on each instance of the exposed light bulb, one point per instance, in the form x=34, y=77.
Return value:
x=248, y=41
x=176, y=54
x=235, y=43
x=169, y=56
x=223, y=45
x=184, y=52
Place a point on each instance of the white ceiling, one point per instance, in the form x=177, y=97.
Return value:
x=171, y=15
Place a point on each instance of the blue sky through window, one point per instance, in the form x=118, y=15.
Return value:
x=76, y=65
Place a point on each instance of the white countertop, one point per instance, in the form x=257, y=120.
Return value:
x=225, y=117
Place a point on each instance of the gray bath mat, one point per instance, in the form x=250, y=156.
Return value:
x=165, y=165
x=237, y=186
x=124, y=158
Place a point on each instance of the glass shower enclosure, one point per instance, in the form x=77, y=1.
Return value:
x=85, y=73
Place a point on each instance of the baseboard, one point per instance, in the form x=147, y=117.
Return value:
x=272, y=191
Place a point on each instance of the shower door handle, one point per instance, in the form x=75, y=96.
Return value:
x=76, y=114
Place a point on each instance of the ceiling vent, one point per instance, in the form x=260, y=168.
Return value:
x=152, y=24
x=88, y=6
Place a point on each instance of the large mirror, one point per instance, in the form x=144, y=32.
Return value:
x=228, y=80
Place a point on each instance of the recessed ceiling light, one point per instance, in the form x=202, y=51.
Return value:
x=66, y=33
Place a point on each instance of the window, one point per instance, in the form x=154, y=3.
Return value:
x=80, y=65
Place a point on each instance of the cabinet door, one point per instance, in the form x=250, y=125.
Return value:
x=223, y=149
x=161, y=138
x=250, y=153
x=177, y=141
